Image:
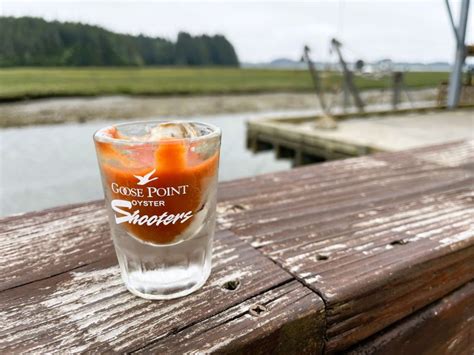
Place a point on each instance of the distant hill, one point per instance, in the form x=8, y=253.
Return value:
x=28, y=41
x=279, y=63
x=286, y=63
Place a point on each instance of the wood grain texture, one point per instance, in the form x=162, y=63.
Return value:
x=326, y=256
x=405, y=256
x=377, y=237
x=88, y=308
x=289, y=323
x=39, y=245
x=444, y=327
x=455, y=154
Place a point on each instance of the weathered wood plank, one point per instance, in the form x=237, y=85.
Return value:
x=39, y=245
x=444, y=327
x=287, y=320
x=405, y=255
x=455, y=154
x=336, y=182
x=24, y=221
x=376, y=237
x=88, y=308
x=392, y=229
x=289, y=206
x=289, y=180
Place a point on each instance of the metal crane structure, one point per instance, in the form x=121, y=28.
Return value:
x=316, y=79
x=348, y=78
x=455, y=79
x=348, y=86
x=347, y=75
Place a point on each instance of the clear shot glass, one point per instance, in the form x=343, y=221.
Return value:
x=160, y=183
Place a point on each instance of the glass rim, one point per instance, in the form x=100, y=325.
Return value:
x=215, y=132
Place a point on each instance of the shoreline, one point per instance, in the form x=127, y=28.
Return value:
x=87, y=109
x=184, y=94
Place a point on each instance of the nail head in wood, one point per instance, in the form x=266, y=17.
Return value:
x=257, y=310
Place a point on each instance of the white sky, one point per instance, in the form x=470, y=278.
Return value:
x=416, y=30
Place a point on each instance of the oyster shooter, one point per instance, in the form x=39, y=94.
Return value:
x=160, y=183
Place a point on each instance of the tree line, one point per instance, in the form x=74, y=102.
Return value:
x=29, y=41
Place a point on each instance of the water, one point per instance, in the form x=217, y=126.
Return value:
x=52, y=165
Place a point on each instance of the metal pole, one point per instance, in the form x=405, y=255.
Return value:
x=451, y=20
x=345, y=98
x=347, y=75
x=316, y=79
x=455, y=79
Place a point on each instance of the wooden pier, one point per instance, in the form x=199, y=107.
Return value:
x=371, y=255
x=299, y=138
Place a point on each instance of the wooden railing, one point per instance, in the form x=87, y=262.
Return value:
x=367, y=255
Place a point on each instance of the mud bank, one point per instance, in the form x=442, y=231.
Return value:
x=68, y=110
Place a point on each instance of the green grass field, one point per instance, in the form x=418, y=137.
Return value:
x=17, y=84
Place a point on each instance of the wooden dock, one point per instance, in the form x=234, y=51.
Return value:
x=299, y=138
x=371, y=255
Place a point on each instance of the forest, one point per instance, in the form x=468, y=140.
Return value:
x=29, y=41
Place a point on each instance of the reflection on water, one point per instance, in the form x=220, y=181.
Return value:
x=47, y=166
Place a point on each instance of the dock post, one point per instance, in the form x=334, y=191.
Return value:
x=298, y=158
x=397, y=88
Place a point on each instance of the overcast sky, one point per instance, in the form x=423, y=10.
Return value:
x=416, y=30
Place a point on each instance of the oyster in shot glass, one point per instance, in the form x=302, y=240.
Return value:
x=160, y=183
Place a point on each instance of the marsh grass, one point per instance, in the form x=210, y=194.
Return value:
x=24, y=83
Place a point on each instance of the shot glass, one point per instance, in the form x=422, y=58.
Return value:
x=160, y=182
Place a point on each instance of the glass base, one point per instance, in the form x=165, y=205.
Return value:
x=166, y=291
x=162, y=272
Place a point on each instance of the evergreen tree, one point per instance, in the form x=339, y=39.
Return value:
x=29, y=41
